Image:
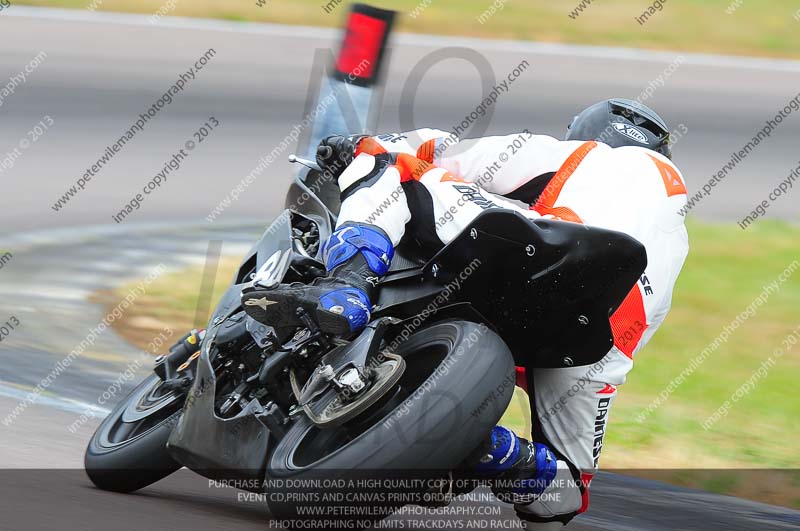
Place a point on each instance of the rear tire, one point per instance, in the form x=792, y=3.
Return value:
x=463, y=379
x=130, y=463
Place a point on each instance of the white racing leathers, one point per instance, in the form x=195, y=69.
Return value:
x=438, y=185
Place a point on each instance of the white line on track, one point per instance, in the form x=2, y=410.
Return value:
x=64, y=404
x=60, y=235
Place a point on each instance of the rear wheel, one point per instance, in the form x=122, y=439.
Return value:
x=128, y=450
x=458, y=381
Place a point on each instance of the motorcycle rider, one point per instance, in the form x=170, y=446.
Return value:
x=612, y=171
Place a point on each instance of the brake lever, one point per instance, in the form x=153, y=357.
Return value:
x=310, y=164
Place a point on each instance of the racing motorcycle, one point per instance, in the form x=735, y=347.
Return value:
x=274, y=410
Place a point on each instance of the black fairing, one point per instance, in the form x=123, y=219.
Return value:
x=215, y=447
x=547, y=287
x=236, y=447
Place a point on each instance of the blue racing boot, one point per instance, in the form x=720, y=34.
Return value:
x=356, y=256
x=520, y=470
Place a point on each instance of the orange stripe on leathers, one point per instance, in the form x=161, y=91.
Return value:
x=370, y=146
x=427, y=150
x=629, y=322
x=545, y=204
x=672, y=181
x=411, y=168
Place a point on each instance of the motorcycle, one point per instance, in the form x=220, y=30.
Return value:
x=298, y=415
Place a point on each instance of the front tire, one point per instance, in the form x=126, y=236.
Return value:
x=458, y=382
x=128, y=450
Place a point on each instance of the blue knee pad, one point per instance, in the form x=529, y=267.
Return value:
x=350, y=239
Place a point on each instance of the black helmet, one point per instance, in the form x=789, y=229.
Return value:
x=619, y=122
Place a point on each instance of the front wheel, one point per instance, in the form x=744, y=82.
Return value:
x=128, y=450
x=458, y=381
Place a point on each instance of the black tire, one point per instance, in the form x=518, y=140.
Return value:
x=469, y=383
x=123, y=457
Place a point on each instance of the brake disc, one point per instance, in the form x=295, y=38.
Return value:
x=332, y=410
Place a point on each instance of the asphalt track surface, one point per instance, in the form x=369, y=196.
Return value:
x=102, y=71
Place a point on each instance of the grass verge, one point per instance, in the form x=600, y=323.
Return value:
x=726, y=270
x=752, y=27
